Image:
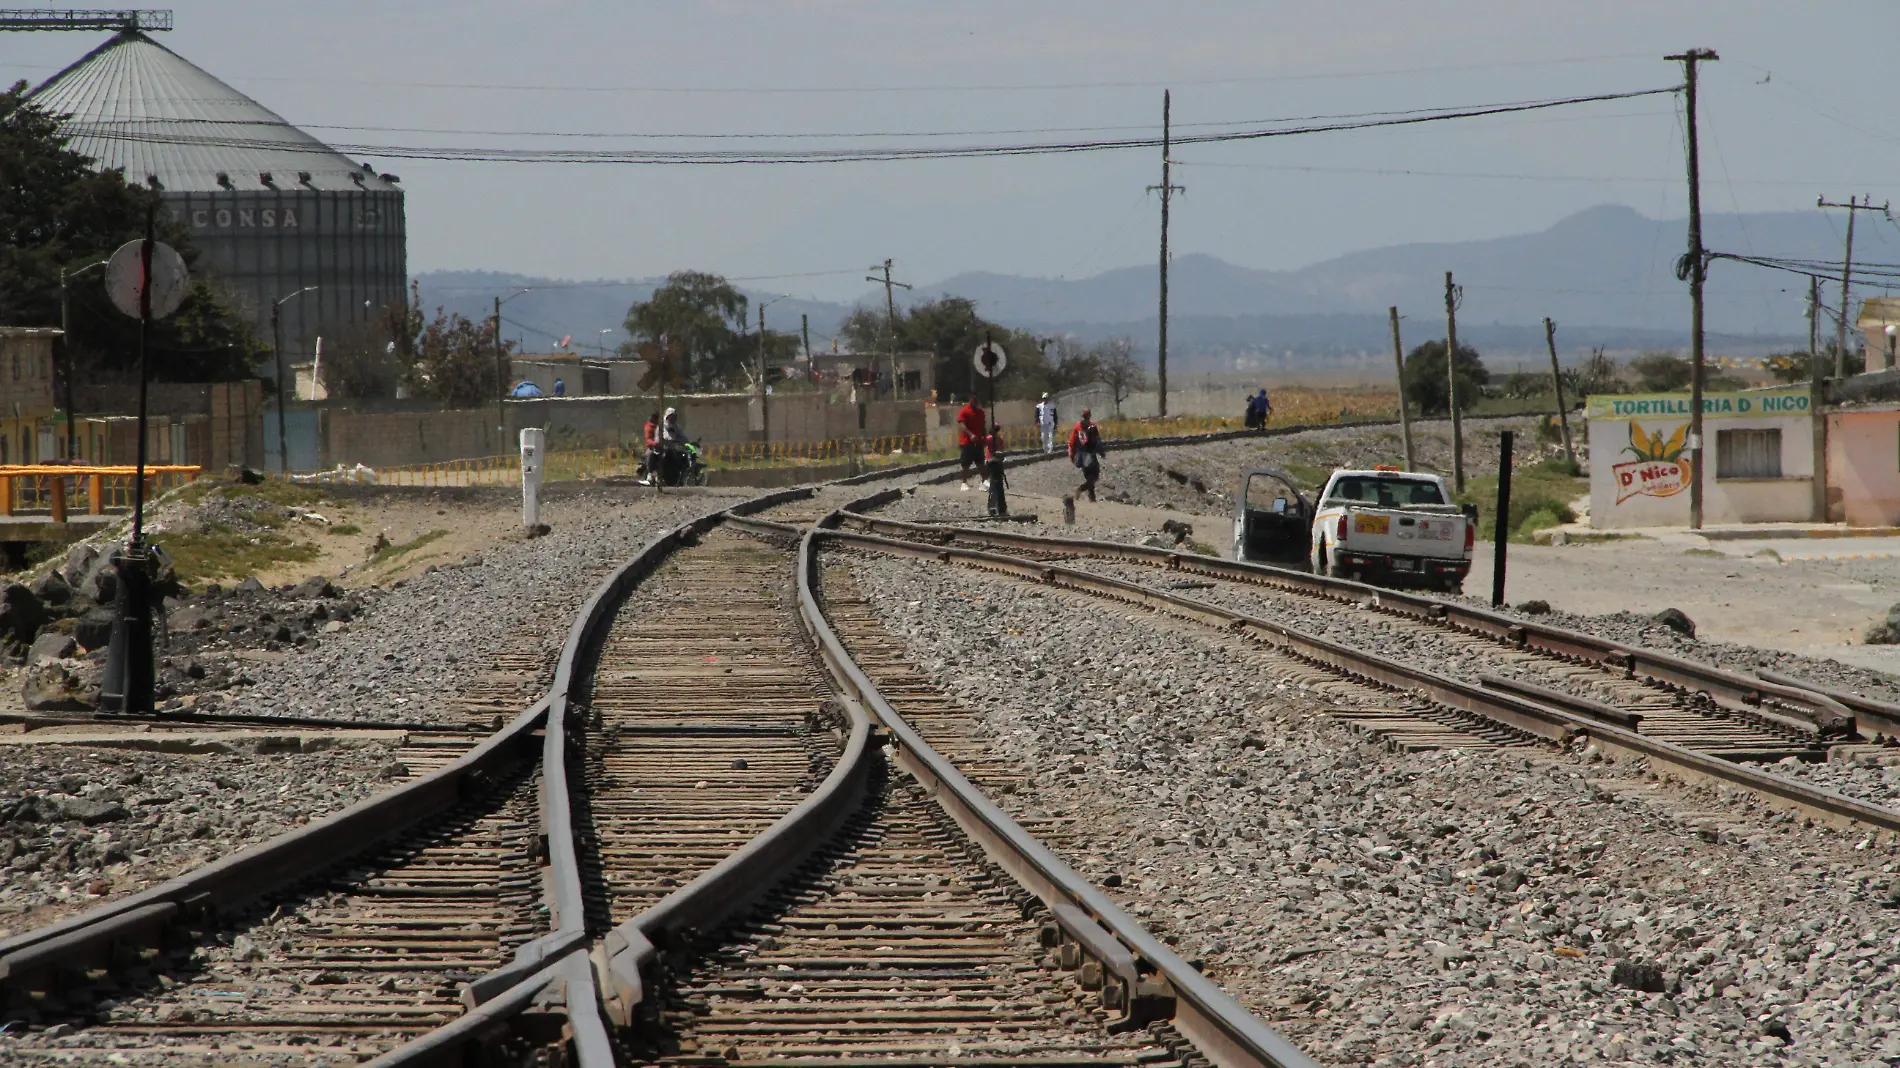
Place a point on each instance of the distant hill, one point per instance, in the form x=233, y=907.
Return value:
x=1606, y=274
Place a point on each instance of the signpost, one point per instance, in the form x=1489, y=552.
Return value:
x=146, y=280
x=990, y=360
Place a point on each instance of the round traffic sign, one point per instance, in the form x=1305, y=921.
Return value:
x=125, y=278
x=990, y=359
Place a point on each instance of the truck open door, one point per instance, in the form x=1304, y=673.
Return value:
x=1273, y=521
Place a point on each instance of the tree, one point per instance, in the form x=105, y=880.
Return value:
x=57, y=211
x=1598, y=374
x=367, y=360
x=1425, y=386
x=455, y=362
x=950, y=329
x=705, y=316
x=1120, y=371
x=1661, y=372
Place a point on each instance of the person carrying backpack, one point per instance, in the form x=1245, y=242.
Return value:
x=1085, y=452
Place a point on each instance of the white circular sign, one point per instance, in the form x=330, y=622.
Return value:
x=990, y=359
x=125, y=278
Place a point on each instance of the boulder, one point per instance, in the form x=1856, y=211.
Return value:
x=52, y=646
x=21, y=613
x=1675, y=619
x=1887, y=631
x=249, y=585
x=94, y=629
x=60, y=686
x=53, y=589
x=316, y=587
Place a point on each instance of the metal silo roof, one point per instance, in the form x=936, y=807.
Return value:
x=134, y=104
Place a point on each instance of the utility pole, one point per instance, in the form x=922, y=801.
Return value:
x=804, y=331
x=765, y=426
x=1853, y=205
x=1167, y=191
x=501, y=373
x=1697, y=263
x=1813, y=329
x=1557, y=381
x=890, y=310
x=1452, y=296
x=1398, y=360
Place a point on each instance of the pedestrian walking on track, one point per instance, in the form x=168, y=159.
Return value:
x=1046, y=420
x=972, y=428
x=1085, y=452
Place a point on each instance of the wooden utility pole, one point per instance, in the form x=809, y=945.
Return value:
x=1854, y=205
x=890, y=324
x=1405, y=417
x=1698, y=265
x=1557, y=381
x=1452, y=295
x=765, y=427
x=1167, y=190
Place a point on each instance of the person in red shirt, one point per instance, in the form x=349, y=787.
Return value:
x=1085, y=452
x=651, y=434
x=972, y=429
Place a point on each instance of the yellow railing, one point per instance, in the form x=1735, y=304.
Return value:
x=56, y=490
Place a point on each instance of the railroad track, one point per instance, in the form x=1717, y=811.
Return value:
x=1696, y=705
x=712, y=807
x=1419, y=700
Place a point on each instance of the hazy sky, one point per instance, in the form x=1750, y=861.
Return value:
x=1801, y=103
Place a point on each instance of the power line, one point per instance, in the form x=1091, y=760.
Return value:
x=882, y=89
x=677, y=157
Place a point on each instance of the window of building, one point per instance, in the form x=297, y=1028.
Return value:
x=1748, y=454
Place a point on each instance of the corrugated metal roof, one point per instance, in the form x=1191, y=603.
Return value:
x=134, y=104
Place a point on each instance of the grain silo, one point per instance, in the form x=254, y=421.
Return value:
x=271, y=208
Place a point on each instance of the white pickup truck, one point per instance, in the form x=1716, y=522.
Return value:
x=1391, y=526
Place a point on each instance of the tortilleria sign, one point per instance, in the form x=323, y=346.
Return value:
x=1784, y=402
x=1659, y=470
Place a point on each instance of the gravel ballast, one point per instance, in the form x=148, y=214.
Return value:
x=1482, y=907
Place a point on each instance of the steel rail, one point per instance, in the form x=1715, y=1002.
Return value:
x=1551, y=723
x=111, y=933
x=1803, y=707
x=1142, y=977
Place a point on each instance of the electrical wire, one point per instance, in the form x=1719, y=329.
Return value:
x=675, y=157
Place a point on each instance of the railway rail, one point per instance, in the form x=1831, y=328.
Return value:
x=757, y=858
x=1532, y=712
x=1765, y=716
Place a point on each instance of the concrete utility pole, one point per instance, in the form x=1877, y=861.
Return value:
x=1557, y=381
x=1405, y=417
x=1453, y=294
x=1697, y=262
x=1167, y=191
x=765, y=426
x=1853, y=205
x=1814, y=322
x=890, y=324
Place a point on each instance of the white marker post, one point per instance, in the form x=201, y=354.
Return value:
x=533, y=448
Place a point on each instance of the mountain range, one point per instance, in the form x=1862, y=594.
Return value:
x=1605, y=274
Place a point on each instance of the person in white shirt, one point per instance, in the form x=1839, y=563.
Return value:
x=1046, y=420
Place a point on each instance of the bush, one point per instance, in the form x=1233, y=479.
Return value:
x=1542, y=519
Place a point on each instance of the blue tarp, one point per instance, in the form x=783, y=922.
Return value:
x=525, y=390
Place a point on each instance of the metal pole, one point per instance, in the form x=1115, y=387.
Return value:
x=66, y=360
x=1814, y=322
x=1557, y=382
x=501, y=374
x=1502, y=519
x=277, y=353
x=765, y=428
x=1405, y=416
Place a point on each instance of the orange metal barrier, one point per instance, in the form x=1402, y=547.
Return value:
x=58, y=489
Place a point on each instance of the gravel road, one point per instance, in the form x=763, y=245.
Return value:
x=1469, y=908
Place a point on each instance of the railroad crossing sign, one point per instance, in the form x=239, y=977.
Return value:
x=125, y=278
x=663, y=359
x=990, y=359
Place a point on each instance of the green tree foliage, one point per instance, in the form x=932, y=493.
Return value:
x=57, y=211
x=1796, y=366
x=1425, y=386
x=455, y=362
x=1661, y=372
x=950, y=329
x=367, y=360
x=1597, y=375
x=706, y=317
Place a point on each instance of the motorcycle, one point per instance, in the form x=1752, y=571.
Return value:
x=680, y=464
